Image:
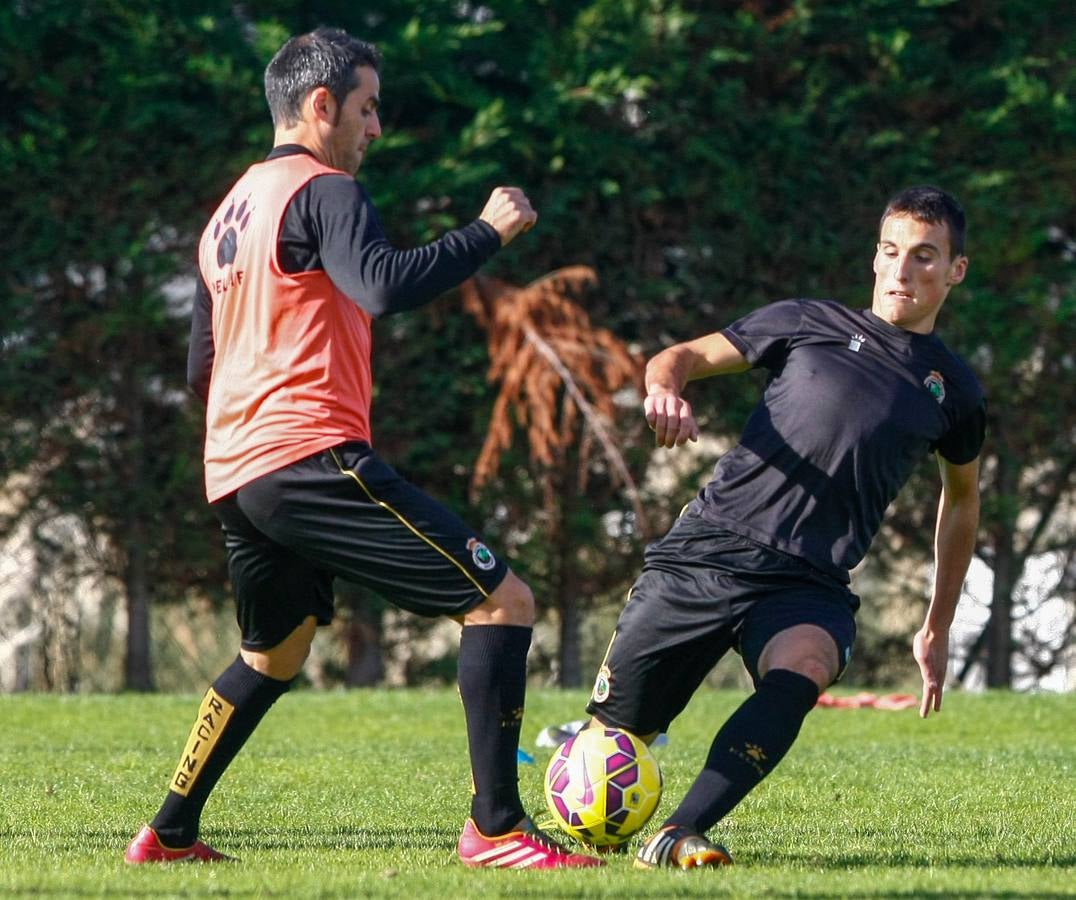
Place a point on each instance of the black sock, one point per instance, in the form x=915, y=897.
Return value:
x=493, y=684
x=747, y=748
x=231, y=709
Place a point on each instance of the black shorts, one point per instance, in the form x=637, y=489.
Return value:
x=702, y=592
x=344, y=513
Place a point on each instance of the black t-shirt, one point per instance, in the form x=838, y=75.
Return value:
x=852, y=404
x=332, y=226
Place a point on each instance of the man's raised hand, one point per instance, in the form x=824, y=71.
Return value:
x=670, y=418
x=509, y=212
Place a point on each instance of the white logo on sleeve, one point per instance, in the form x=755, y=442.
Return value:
x=855, y=342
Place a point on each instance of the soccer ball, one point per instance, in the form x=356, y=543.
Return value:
x=602, y=786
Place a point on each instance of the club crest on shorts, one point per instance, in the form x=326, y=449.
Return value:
x=601, y=685
x=481, y=555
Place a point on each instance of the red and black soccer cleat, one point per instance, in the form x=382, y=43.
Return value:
x=147, y=848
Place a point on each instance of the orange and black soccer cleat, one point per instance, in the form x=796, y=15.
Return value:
x=679, y=847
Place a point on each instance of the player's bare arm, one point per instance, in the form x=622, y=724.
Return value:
x=954, y=543
x=668, y=414
x=509, y=212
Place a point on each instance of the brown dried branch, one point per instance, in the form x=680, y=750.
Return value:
x=555, y=368
x=594, y=421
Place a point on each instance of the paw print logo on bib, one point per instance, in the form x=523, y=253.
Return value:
x=228, y=229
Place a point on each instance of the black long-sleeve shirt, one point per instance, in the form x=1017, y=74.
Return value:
x=332, y=225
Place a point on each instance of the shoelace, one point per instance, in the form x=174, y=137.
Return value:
x=546, y=841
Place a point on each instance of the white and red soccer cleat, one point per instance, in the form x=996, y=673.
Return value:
x=147, y=848
x=525, y=848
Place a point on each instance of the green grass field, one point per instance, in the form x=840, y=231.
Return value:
x=362, y=794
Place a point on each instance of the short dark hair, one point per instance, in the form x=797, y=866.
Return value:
x=926, y=203
x=326, y=57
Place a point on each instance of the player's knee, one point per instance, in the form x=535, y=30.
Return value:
x=820, y=671
x=517, y=601
x=278, y=665
x=817, y=667
x=511, y=604
x=284, y=661
x=805, y=649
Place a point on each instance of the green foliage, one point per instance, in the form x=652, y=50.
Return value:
x=703, y=158
x=364, y=793
x=121, y=123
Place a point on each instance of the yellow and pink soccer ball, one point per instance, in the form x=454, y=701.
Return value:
x=602, y=786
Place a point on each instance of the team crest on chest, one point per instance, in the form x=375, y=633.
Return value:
x=855, y=342
x=936, y=385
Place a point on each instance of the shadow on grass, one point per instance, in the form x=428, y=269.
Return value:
x=903, y=861
x=349, y=838
x=918, y=891
x=233, y=840
x=428, y=837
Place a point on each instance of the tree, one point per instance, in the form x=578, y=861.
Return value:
x=112, y=144
x=1001, y=144
x=558, y=374
x=701, y=159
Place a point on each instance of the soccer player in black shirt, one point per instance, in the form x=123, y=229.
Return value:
x=759, y=560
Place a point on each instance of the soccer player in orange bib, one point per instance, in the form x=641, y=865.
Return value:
x=294, y=267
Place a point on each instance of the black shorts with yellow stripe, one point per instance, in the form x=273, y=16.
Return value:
x=345, y=513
